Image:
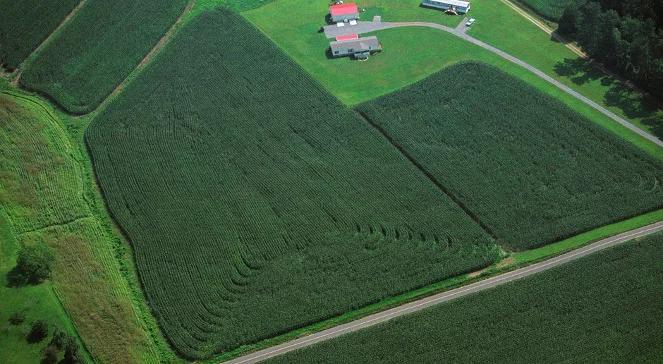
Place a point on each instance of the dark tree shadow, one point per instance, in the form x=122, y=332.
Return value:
x=16, y=279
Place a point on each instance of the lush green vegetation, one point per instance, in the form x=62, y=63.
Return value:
x=25, y=24
x=47, y=199
x=524, y=163
x=502, y=27
x=548, y=9
x=256, y=202
x=621, y=38
x=97, y=49
x=602, y=308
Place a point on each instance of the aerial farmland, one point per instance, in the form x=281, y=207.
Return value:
x=376, y=181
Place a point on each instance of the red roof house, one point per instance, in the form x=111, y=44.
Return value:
x=347, y=37
x=344, y=12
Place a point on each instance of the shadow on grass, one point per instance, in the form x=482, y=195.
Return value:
x=632, y=103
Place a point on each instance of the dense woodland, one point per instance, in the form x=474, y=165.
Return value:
x=626, y=36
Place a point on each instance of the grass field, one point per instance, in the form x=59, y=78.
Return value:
x=25, y=24
x=47, y=197
x=97, y=49
x=525, y=164
x=602, y=308
x=272, y=209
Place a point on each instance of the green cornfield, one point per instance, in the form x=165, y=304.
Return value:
x=25, y=24
x=549, y=9
x=530, y=168
x=604, y=308
x=98, y=49
x=256, y=202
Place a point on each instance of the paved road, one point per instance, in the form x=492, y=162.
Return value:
x=365, y=27
x=445, y=296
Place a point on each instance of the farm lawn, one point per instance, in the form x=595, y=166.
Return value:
x=412, y=54
x=97, y=49
x=271, y=210
x=502, y=27
x=25, y=24
x=602, y=308
x=531, y=169
x=47, y=198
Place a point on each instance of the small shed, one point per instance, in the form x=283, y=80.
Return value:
x=455, y=6
x=352, y=45
x=344, y=12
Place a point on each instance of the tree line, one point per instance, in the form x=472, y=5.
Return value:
x=626, y=36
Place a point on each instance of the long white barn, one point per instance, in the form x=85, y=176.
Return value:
x=458, y=6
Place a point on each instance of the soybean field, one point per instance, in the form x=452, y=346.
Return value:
x=25, y=24
x=602, y=308
x=256, y=202
x=531, y=169
x=98, y=49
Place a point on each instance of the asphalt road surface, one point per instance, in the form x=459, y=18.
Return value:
x=332, y=31
x=423, y=303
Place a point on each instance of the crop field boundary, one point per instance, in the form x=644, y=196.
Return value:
x=15, y=80
x=167, y=37
x=427, y=173
x=510, y=263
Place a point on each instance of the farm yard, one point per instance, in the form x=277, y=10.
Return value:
x=88, y=59
x=222, y=185
x=521, y=161
x=212, y=181
x=612, y=314
x=18, y=37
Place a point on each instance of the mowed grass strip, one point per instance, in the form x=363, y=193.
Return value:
x=98, y=49
x=25, y=24
x=602, y=308
x=533, y=170
x=256, y=202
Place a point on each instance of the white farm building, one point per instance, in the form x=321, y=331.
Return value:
x=456, y=6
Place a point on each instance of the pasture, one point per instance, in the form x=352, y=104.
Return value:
x=47, y=198
x=533, y=170
x=25, y=24
x=273, y=209
x=98, y=49
x=603, y=308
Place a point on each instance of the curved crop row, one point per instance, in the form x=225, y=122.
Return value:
x=256, y=202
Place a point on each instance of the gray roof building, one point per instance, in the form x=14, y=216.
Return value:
x=358, y=47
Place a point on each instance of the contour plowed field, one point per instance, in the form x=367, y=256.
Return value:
x=256, y=202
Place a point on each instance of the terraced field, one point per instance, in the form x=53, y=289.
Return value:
x=97, y=49
x=25, y=24
x=256, y=202
x=531, y=169
x=602, y=308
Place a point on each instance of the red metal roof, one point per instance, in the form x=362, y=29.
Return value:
x=347, y=37
x=343, y=9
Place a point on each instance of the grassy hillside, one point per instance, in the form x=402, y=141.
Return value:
x=98, y=49
x=256, y=202
x=25, y=24
x=531, y=169
x=46, y=198
x=602, y=308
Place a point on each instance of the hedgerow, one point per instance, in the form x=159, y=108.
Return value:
x=605, y=308
x=533, y=170
x=98, y=49
x=25, y=24
x=256, y=202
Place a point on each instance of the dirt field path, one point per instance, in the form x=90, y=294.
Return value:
x=41, y=46
x=424, y=303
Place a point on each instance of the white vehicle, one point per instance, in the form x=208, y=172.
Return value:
x=340, y=24
x=470, y=22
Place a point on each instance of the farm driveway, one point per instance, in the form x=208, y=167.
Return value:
x=426, y=302
x=332, y=31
